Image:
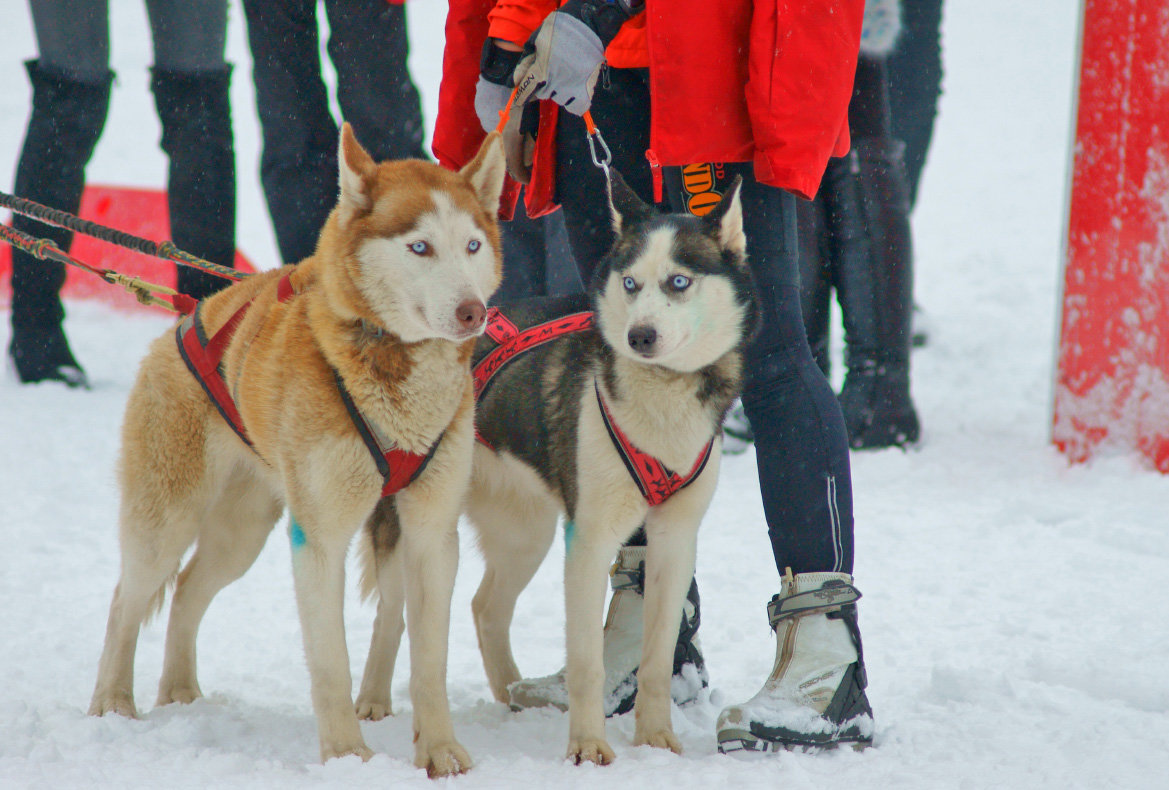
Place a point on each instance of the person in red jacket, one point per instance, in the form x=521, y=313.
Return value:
x=755, y=89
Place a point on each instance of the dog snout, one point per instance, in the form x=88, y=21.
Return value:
x=471, y=314
x=642, y=339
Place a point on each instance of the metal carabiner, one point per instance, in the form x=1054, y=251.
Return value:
x=604, y=157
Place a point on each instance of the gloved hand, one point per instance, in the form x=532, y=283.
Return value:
x=490, y=99
x=563, y=57
x=519, y=140
x=496, y=65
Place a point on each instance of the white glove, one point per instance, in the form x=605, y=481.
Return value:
x=561, y=62
x=490, y=99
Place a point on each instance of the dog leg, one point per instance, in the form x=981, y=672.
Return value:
x=373, y=700
x=430, y=546
x=669, y=566
x=150, y=557
x=512, y=553
x=318, y=565
x=228, y=544
x=586, y=574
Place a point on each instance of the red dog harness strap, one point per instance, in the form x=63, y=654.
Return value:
x=656, y=482
x=512, y=342
x=204, y=359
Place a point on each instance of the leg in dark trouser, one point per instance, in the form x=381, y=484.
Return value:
x=190, y=82
x=369, y=48
x=867, y=204
x=67, y=119
x=298, y=167
x=197, y=136
x=814, y=695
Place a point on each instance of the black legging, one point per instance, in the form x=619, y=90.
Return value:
x=800, y=438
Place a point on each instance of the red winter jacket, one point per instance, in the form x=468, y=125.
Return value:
x=766, y=82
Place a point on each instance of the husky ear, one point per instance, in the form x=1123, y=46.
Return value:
x=486, y=171
x=354, y=164
x=725, y=221
x=624, y=204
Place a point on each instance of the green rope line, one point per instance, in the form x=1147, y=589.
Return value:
x=165, y=250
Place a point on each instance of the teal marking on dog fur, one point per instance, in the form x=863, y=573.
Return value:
x=569, y=534
x=296, y=536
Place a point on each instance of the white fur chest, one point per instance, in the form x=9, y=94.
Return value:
x=414, y=410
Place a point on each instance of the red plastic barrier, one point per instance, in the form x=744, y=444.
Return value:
x=141, y=212
x=1112, y=387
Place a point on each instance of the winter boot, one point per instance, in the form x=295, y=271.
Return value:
x=873, y=262
x=66, y=121
x=622, y=650
x=815, y=694
x=197, y=136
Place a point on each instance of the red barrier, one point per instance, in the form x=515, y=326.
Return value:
x=142, y=212
x=1112, y=386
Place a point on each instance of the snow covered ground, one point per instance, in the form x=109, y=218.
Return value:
x=1006, y=645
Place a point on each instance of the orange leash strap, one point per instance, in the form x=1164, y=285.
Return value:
x=598, y=148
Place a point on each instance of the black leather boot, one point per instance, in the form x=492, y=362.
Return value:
x=66, y=121
x=197, y=136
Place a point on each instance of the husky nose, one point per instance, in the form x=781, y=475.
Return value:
x=642, y=339
x=471, y=314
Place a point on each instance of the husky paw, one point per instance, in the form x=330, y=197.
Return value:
x=661, y=739
x=121, y=704
x=372, y=709
x=331, y=750
x=184, y=694
x=443, y=759
x=590, y=750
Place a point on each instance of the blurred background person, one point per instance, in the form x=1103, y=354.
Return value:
x=71, y=83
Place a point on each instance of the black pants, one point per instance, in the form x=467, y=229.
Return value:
x=915, y=83
x=801, y=443
x=368, y=47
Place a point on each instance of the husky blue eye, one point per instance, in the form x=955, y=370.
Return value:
x=473, y=245
x=629, y=284
x=680, y=282
x=419, y=248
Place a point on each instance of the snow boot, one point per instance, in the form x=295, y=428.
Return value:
x=815, y=695
x=197, y=136
x=622, y=649
x=873, y=262
x=66, y=121
x=737, y=433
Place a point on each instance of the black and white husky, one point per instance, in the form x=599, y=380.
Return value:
x=606, y=409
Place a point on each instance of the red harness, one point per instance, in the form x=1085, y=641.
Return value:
x=655, y=481
x=204, y=358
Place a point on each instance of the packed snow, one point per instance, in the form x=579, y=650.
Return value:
x=1007, y=640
